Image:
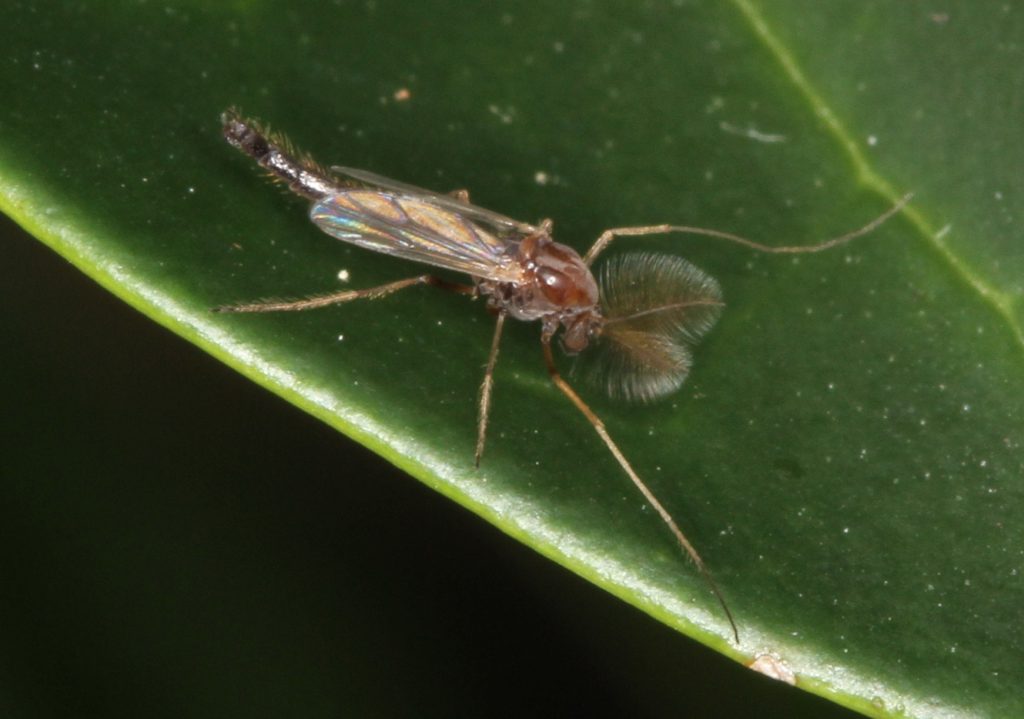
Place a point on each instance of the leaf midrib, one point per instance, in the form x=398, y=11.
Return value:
x=1002, y=302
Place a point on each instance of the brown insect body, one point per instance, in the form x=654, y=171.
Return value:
x=557, y=288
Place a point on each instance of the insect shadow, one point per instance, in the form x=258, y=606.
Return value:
x=639, y=316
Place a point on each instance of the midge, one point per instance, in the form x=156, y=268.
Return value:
x=639, y=316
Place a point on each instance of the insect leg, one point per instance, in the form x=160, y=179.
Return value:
x=334, y=298
x=599, y=427
x=608, y=235
x=485, y=390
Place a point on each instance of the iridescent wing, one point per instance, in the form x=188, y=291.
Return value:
x=417, y=228
x=655, y=307
x=499, y=223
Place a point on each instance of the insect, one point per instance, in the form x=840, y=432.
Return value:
x=640, y=316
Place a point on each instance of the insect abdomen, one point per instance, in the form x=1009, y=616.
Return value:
x=274, y=153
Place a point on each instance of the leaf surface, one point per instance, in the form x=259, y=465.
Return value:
x=846, y=452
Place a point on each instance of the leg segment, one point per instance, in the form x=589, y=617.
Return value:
x=608, y=235
x=335, y=298
x=485, y=391
x=599, y=427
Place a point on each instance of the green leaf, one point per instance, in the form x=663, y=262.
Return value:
x=846, y=453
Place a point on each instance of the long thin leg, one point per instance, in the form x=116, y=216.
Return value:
x=599, y=427
x=334, y=298
x=485, y=390
x=608, y=235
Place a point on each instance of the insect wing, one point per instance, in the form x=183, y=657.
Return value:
x=656, y=307
x=500, y=223
x=416, y=229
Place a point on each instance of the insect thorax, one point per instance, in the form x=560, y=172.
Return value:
x=557, y=287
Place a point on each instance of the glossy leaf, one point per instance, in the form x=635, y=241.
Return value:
x=845, y=453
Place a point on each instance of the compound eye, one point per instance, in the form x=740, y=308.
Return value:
x=576, y=337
